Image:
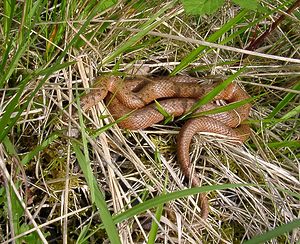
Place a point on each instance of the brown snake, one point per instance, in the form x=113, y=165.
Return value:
x=177, y=96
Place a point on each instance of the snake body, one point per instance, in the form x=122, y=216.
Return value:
x=176, y=96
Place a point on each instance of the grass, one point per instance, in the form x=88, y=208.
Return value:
x=85, y=180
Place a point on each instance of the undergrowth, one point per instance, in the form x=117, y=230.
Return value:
x=67, y=178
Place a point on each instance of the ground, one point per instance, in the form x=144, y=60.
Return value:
x=69, y=176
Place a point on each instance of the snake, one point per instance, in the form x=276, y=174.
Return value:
x=132, y=99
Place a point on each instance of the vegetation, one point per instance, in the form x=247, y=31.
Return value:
x=67, y=178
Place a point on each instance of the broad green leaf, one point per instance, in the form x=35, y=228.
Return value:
x=201, y=7
x=247, y=4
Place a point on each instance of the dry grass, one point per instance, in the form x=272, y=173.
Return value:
x=133, y=166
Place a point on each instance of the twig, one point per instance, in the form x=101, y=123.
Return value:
x=257, y=42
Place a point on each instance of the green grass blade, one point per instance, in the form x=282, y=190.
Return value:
x=89, y=174
x=96, y=194
x=17, y=212
x=10, y=148
x=23, y=41
x=14, y=62
x=210, y=96
x=284, y=102
x=106, y=127
x=212, y=38
x=168, y=117
x=142, y=207
x=225, y=108
x=269, y=235
x=156, y=201
x=145, y=28
x=56, y=33
x=99, y=199
x=83, y=233
x=292, y=113
x=100, y=7
x=290, y=144
x=9, y=8
x=40, y=147
x=266, y=121
x=7, y=121
x=4, y=60
x=158, y=214
x=154, y=226
x=10, y=108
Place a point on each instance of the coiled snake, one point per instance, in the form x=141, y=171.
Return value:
x=176, y=96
